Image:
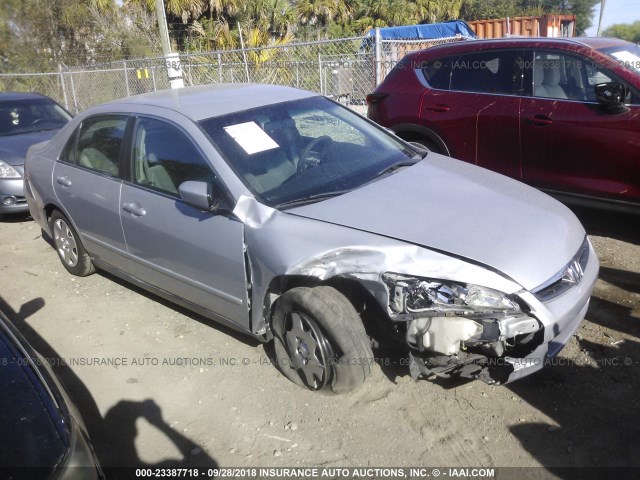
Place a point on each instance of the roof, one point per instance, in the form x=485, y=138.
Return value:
x=205, y=101
x=600, y=42
x=20, y=96
x=514, y=42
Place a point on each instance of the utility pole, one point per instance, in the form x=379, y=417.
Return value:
x=602, y=2
x=174, y=68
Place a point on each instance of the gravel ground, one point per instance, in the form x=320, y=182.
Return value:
x=188, y=392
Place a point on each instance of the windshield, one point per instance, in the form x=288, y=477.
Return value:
x=304, y=149
x=626, y=55
x=33, y=115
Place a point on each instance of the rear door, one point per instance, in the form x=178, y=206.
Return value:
x=473, y=106
x=198, y=256
x=87, y=182
x=569, y=141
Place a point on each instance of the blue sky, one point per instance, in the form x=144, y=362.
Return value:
x=615, y=11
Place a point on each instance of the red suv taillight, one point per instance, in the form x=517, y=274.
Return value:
x=374, y=98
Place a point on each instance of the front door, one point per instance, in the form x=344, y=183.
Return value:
x=197, y=256
x=570, y=143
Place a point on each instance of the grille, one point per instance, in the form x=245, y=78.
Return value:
x=570, y=275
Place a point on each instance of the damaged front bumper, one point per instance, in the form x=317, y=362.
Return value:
x=457, y=330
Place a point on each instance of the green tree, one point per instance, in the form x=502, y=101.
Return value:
x=42, y=34
x=625, y=31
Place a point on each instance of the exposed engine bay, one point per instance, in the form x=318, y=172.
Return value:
x=454, y=329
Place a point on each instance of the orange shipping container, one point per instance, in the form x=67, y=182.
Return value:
x=550, y=25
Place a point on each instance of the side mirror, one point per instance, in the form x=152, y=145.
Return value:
x=611, y=96
x=198, y=195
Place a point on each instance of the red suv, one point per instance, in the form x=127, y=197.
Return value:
x=560, y=114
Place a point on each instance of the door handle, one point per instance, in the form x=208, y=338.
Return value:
x=540, y=120
x=439, y=107
x=64, y=181
x=134, y=209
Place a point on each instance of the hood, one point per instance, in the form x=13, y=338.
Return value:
x=466, y=211
x=13, y=148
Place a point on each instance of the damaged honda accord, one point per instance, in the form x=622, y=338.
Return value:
x=289, y=217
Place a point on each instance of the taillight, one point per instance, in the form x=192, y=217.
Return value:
x=374, y=98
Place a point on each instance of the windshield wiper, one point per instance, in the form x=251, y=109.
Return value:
x=311, y=199
x=403, y=163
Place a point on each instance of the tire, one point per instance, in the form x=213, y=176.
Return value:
x=320, y=341
x=69, y=247
x=426, y=144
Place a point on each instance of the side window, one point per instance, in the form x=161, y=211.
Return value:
x=438, y=73
x=100, y=142
x=595, y=75
x=498, y=72
x=561, y=76
x=163, y=157
x=68, y=154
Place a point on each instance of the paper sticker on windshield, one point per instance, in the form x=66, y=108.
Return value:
x=251, y=137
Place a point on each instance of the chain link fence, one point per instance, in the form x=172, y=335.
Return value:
x=344, y=69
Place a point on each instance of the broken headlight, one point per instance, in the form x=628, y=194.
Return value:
x=421, y=297
x=443, y=317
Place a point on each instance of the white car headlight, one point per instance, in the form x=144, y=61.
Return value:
x=432, y=297
x=7, y=171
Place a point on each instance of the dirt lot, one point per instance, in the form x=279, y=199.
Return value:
x=188, y=392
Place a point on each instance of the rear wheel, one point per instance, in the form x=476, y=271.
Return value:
x=320, y=341
x=69, y=247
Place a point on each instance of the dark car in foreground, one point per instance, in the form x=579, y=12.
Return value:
x=289, y=217
x=43, y=435
x=25, y=119
x=562, y=115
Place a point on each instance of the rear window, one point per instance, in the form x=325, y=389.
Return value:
x=488, y=72
x=438, y=73
x=498, y=72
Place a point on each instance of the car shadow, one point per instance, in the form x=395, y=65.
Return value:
x=612, y=224
x=629, y=281
x=242, y=337
x=15, y=218
x=393, y=361
x=590, y=401
x=614, y=316
x=112, y=436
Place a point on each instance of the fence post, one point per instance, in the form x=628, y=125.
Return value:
x=377, y=52
x=219, y=68
x=320, y=71
x=126, y=77
x=73, y=93
x=244, y=53
x=153, y=78
x=64, y=88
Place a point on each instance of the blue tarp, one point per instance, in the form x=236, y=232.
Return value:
x=427, y=31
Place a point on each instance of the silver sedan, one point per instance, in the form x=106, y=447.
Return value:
x=286, y=216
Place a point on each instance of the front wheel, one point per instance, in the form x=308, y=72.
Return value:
x=320, y=341
x=69, y=247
